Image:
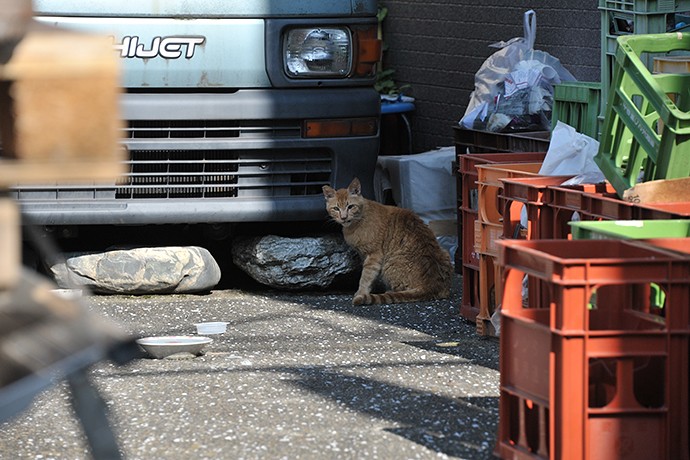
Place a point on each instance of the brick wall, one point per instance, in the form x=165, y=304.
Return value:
x=436, y=46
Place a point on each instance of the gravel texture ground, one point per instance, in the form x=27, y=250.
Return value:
x=296, y=376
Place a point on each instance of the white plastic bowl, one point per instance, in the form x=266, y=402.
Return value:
x=69, y=294
x=161, y=347
x=212, y=327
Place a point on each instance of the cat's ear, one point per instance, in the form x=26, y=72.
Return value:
x=355, y=188
x=328, y=192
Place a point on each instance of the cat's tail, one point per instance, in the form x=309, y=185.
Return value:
x=410, y=295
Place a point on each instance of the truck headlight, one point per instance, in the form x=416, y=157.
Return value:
x=318, y=52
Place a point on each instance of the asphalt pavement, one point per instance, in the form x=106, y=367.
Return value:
x=296, y=376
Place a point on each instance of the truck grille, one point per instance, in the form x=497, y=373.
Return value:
x=183, y=174
x=211, y=129
x=223, y=173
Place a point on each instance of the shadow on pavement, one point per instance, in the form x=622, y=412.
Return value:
x=455, y=427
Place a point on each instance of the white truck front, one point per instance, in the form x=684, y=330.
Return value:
x=235, y=110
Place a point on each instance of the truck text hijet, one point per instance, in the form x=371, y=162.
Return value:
x=235, y=110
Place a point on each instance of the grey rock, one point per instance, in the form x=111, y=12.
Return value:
x=158, y=270
x=295, y=263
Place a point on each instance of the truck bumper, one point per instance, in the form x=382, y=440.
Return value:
x=220, y=157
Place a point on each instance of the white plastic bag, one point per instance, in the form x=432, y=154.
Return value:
x=573, y=153
x=570, y=153
x=513, y=89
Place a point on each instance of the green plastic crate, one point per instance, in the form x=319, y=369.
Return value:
x=646, y=6
x=616, y=23
x=630, y=229
x=646, y=134
x=626, y=17
x=637, y=230
x=577, y=104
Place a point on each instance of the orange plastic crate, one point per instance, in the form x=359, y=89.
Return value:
x=492, y=174
x=490, y=185
x=469, y=161
x=468, y=194
x=486, y=237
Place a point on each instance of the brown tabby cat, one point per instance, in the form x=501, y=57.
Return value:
x=395, y=244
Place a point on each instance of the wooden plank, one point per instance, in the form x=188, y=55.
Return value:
x=59, y=105
x=14, y=173
x=10, y=244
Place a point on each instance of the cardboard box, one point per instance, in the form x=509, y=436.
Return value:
x=659, y=191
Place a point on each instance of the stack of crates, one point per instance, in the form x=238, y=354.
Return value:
x=488, y=230
x=595, y=369
x=527, y=213
x=468, y=213
x=646, y=132
x=633, y=17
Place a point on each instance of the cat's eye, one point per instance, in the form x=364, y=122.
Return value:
x=350, y=206
x=336, y=209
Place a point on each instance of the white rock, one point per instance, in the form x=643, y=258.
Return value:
x=156, y=270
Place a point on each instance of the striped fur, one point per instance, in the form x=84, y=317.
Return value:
x=396, y=246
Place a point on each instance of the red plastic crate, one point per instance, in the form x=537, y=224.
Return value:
x=470, y=257
x=607, y=206
x=468, y=170
x=677, y=246
x=680, y=210
x=490, y=291
x=588, y=377
x=467, y=216
x=564, y=398
x=469, y=307
x=457, y=256
x=568, y=203
x=533, y=194
x=578, y=268
x=567, y=197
